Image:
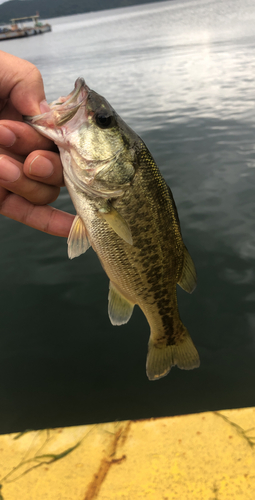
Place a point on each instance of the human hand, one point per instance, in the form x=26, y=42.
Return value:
x=31, y=173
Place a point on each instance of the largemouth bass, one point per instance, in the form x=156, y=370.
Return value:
x=127, y=213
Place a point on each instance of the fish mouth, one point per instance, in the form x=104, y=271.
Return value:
x=63, y=109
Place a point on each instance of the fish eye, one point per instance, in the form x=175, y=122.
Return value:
x=103, y=120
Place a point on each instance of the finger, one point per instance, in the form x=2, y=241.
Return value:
x=22, y=82
x=21, y=138
x=45, y=218
x=8, y=111
x=13, y=179
x=21, y=159
x=44, y=166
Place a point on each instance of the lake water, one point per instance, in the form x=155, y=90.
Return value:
x=182, y=74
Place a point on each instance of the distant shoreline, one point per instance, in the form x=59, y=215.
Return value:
x=61, y=8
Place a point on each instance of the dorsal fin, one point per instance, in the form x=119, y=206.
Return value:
x=188, y=279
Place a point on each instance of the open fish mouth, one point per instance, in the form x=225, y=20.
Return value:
x=63, y=109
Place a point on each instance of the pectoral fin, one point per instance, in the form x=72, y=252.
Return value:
x=188, y=279
x=77, y=241
x=117, y=223
x=119, y=308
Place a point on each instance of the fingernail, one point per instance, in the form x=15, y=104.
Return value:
x=41, y=167
x=7, y=137
x=44, y=106
x=8, y=171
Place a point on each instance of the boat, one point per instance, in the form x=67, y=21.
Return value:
x=17, y=30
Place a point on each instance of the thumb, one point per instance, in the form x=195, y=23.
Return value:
x=22, y=82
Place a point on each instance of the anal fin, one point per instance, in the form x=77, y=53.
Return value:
x=77, y=240
x=119, y=308
x=188, y=279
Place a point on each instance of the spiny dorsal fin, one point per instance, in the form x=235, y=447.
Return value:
x=119, y=308
x=77, y=241
x=188, y=279
x=117, y=223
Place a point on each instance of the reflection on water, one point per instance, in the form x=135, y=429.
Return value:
x=181, y=73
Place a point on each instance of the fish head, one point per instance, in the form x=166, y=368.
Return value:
x=57, y=122
x=100, y=143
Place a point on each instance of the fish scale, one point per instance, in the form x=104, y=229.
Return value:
x=126, y=212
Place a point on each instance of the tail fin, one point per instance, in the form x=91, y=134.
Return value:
x=160, y=359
